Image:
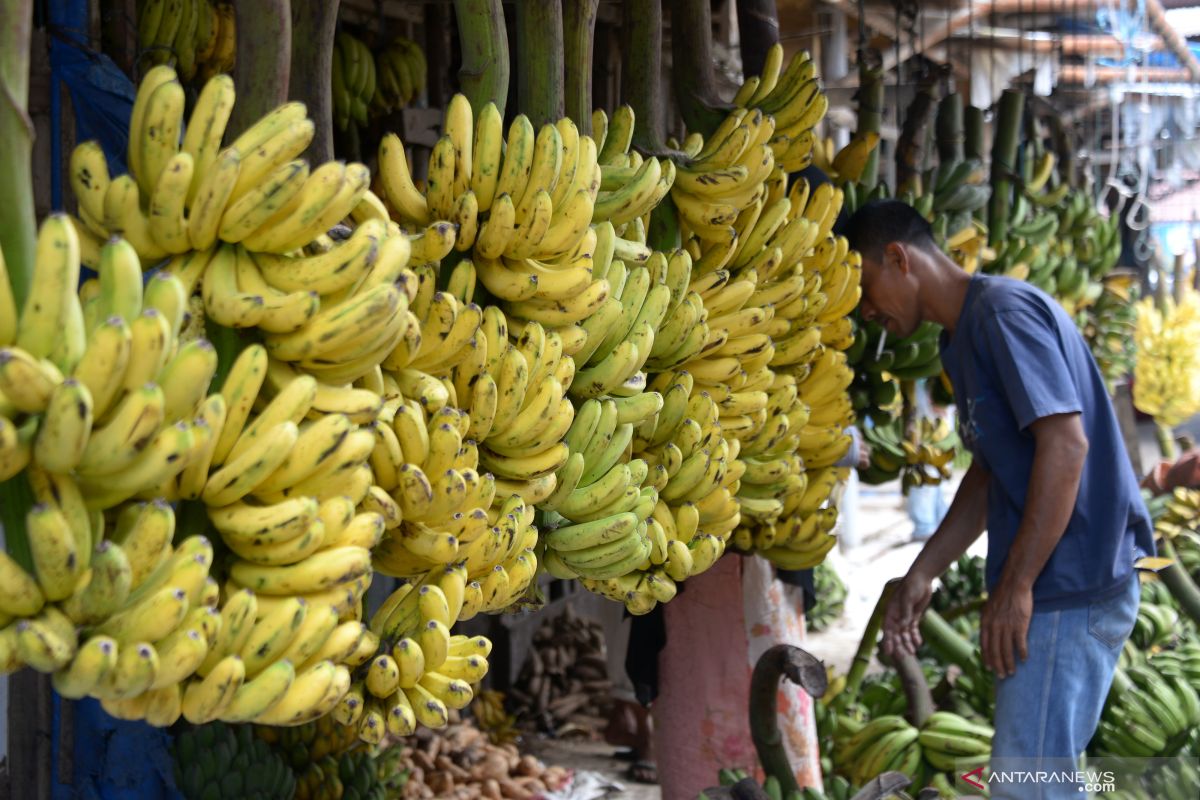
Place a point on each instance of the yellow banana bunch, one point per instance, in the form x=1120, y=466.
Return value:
x=185, y=192
x=1167, y=372
x=792, y=96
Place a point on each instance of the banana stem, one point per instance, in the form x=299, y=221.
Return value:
x=1177, y=580
x=264, y=60
x=1004, y=163
x=910, y=146
x=540, y=90
x=18, y=227
x=916, y=689
x=579, y=30
x=950, y=129
x=870, y=109
x=866, y=647
x=973, y=133
x=802, y=669
x=947, y=643
x=1166, y=440
x=641, y=72
x=758, y=29
x=692, y=66
x=484, y=40
x=314, y=23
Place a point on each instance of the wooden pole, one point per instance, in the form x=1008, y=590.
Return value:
x=313, y=25
x=264, y=60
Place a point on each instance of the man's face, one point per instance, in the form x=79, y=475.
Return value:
x=889, y=291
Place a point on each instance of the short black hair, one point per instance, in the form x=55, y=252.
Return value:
x=881, y=222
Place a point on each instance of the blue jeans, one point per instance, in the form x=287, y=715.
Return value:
x=1048, y=710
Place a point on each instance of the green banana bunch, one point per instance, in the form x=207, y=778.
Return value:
x=185, y=32
x=1109, y=325
x=400, y=70
x=353, y=80
x=1150, y=712
x=955, y=744
x=218, y=760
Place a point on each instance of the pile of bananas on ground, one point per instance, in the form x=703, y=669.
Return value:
x=353, y=81
x=1175, y=516
x=920, y=457
x=1158, y=620
x=217, y=760
x=1167, y=373
x=400, y=70
x=1152, y=709
x=945, y=746
x=196, y=36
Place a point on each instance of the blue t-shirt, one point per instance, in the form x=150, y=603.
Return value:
x=1014, y=358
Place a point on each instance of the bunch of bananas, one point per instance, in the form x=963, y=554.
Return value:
x=195, y=35
x=183, y=196
x=353, y=80
x=400, y=70
x=492, y=717
x=1166, y=376
x=1156, y=625
x=353, y=776
x=1109, y=325
x=422, y=672
x=1151, y=711
x=218, y=760
x=964, y=583
x=921, y=458
x=953, y=744
x=886, y=743
x=912, y=358
x=791, y=97
x=313, y=741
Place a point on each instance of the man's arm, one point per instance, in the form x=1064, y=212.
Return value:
x=1058, y=463
x=961, y=527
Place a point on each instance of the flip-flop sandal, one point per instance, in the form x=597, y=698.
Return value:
x=625, y=754
x=642, y=772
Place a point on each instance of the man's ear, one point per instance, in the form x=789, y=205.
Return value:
x=899, y=255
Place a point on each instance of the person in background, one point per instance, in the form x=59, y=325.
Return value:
x=1050, y=479
x=926, y=504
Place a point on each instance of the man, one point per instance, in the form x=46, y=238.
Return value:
x=1050, y=480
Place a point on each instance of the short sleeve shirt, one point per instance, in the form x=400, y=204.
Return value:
x=1016, y=357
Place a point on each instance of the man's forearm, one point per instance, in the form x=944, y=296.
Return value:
x=962, y=525
x=1049, y=503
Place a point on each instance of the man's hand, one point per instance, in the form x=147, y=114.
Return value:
x=902, y=620
x=1005, y=628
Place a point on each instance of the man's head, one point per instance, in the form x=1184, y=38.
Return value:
x=898, y=253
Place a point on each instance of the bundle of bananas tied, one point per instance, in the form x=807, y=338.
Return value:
x=1151, y=712
x=1167, y=373
x=354, y=80
x=197, y=36
x=400, y=70
x=920, y=459
x=218, y=760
